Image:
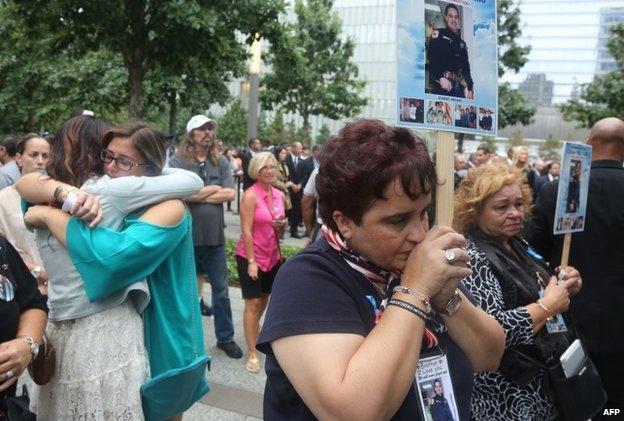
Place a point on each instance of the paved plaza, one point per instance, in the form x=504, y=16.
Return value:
x=235, y=394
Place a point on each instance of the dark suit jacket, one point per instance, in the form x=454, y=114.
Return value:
x=292, y=168
x=597, y=252
x=247, y=180
x=305, y=169
x=539, y=183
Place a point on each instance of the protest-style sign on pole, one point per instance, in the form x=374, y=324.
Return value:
x=571, y=207
x=447, y=77
x=445, y=193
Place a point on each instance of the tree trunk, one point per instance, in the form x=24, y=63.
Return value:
x=136, y=70
x=460, y=142
x=173, y=111
x=306, y=127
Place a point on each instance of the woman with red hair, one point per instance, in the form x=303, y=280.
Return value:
x=351, y=317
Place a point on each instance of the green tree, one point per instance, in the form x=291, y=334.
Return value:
x=39, y=88
x=551, y=148
x=517, y=138
x=490, y=141
x=232, y=128
x=277, y=132
x=195, y=40
x=323, y=134
x=604, y=96
x=311, y=68
x=512, y=108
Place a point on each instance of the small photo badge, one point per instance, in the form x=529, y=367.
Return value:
x=6, y=289
x=435, y=389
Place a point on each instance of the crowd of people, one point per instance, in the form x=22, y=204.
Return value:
x=108, y=234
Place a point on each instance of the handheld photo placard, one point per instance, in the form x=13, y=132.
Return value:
x=447, y=65
x=435, y=389
x=573, y=184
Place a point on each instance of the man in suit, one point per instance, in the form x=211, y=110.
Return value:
x=294, y=217
x=308, y=165
x=597, y=253
x=255, y=146
x=552, y=173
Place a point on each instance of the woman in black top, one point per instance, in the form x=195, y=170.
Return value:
x=350, y=317
x=511, y=282
x=22, y=319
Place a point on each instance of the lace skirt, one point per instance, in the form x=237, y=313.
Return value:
x=100, y=366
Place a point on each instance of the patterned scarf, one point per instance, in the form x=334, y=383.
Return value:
x=383, y=280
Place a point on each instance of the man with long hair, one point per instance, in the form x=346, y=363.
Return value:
x=206, y=208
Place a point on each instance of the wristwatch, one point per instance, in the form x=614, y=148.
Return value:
x=34, y=346
x=453, y=304
x=250, y=261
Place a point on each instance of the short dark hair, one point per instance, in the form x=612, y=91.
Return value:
x=9, y=143
x=252, y=139
x=485, y=148
x=149, y=142
x=451, y=6
x=362, y=160
x=21, y=145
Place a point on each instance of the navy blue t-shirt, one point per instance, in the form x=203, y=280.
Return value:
x=318, y=292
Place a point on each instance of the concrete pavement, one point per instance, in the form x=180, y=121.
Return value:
x=236, y=394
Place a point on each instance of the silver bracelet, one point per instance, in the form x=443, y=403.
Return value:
x=411, y=291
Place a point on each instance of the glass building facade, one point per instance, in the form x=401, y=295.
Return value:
x=567, y=39
x=568, y=47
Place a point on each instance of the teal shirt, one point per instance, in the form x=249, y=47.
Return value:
x=109, y=260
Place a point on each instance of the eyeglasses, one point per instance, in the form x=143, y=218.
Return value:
x=268, y=168
x=123, y=164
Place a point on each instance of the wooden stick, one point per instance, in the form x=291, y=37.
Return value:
x=565, y=253
x=445, y=143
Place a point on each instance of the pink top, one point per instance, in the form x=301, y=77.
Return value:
x=265, y=242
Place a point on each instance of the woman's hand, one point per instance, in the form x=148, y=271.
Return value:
x=87, y=207
x=571, y=277
x=556, y=296
x=36, y=216
x=252, y=270
x=14, y=358
x=441, y=299
x=427, y=269
x=280, y=224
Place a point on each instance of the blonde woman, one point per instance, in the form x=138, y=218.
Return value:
x=520, y=160
x=258, y=255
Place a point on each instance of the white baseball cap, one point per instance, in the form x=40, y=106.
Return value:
x=198, y=121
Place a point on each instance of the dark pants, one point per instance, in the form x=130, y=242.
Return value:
x=295, y=218
x=211, y=261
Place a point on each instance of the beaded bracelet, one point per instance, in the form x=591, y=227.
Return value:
x=411, y=291
x=409, y=307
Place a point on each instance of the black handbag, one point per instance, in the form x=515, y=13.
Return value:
x=17, y=407
x=579, y=397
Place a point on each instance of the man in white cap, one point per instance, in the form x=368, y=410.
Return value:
x=206, y=208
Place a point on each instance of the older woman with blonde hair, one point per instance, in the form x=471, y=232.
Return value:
x=258, y=255
x=512, y=283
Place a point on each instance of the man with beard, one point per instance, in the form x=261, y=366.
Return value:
x=206, y=208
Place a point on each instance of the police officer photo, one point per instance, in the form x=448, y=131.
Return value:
x=447, y=58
